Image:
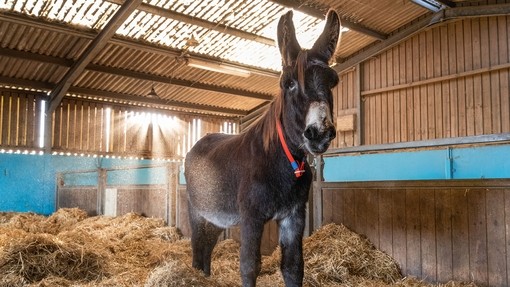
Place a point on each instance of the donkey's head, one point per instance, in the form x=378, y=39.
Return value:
x=306, y=82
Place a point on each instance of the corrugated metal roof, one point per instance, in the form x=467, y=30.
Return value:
x=41, y=40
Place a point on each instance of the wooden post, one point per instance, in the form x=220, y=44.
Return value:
x=317, y=194
x=101, y=188
x=359, y=120
x=172, y=182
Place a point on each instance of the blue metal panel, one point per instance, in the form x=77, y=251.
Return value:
x=446, y=163
x=482, y=162
x=28, y=182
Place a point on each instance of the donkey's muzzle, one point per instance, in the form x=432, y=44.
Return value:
x=317, y=140
x=312, y=133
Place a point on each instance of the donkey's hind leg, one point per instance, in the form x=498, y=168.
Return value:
x=204, y=236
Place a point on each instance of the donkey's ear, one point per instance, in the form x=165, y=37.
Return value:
x=325, y=46
x=287, y=42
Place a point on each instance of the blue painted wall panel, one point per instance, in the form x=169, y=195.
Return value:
x=28, y=182
x=456, y=163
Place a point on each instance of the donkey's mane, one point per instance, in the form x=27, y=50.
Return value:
x=266, y=126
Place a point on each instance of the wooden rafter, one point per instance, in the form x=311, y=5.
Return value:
x=97, y=44
x=136, y=75
x=121, y=96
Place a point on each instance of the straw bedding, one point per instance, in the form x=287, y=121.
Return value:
x=69, y=248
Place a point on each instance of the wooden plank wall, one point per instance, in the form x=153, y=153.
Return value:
x=19, y=117
x=149, y=201
x=84, y=197
x=435, y=230
x=450, y=80
x=79, y=126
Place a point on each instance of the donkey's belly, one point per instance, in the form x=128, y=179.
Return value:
x=221, y=219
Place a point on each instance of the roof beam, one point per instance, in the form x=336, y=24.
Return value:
x=178, y=82
x=447, y=3
x=94, y=47
x=320, y=14
x=439, y=17
x=152, y=9
x=121, y=97
x=136, y=75
x=165, y=51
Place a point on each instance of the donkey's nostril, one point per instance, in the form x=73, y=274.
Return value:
x=332, y=133
x=311, y=133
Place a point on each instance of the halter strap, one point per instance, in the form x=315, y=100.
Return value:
x=298, y=167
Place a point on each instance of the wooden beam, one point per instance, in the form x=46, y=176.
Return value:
x=97, y=44
x=146, y=47
x=134, y=74
x=179, y=82
x=447, y=3
x=476, y=11
x=120, y=96
x=431, y=19
x=436, y=79
x=161, y=102
x=221, y=28
x=301, y=7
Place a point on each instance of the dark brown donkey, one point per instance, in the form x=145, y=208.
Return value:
x=261, y=174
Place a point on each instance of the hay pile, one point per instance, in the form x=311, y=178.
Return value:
x=70, y=249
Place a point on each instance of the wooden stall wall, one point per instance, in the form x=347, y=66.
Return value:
x=346, y=110
x=19, y=115
x=435, y=230
x=451, y=80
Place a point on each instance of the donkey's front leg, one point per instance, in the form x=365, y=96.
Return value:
x=251, y=235
x=291, y=230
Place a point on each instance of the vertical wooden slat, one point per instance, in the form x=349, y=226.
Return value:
x=438, y=124
x=349, y=199
x=477, y=235
x=361, y=201
x=428, y=234
x=32, y=121
x=22, y=122
x=328, y=201
x=443, y=220
x=452, y=112
x=65, y=124
x=461, y=82
x=460, y=234
x=386, y=213
x=413, y=244
x=496, y=251
x=430, y=114
x=486, y=100
x=400, y=228
x=371, y=211
x=13, y=119
x=468, y=62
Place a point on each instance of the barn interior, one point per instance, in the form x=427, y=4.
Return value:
x=101, y=100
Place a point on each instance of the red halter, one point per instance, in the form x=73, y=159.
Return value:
x=299, y=167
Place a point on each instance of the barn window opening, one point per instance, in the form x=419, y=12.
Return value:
x=228, y=128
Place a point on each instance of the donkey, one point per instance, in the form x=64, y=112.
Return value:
x=262, y=173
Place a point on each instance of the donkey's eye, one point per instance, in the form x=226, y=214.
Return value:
x=290, y=85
